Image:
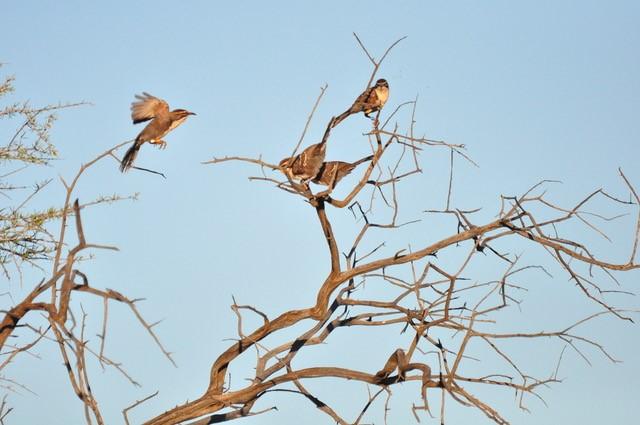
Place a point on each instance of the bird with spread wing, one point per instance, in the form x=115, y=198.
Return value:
x=145, y=108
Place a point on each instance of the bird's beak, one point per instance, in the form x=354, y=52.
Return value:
x=192, y=113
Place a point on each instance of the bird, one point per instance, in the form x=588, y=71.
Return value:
x=306, y=165
x=145, y=108
x=397, y=359
x=332, y=172
x=371, y=100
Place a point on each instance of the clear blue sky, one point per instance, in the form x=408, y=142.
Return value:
x=547, y=89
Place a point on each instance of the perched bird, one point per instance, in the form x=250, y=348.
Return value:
x=397, y=359
x=147, y=108
x=332, y=172
x=306, y=165
x=371, y=100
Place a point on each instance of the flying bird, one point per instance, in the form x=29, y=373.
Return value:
x=145, y=108
x=306, y=165
x=332, y=172
x=371, y=100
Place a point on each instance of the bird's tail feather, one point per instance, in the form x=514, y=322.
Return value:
x=130, y=156
x=360, y=161
x=341, y=117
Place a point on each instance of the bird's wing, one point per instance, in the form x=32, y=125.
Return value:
x=147, y=107
x=372, y=98
x=362, y=100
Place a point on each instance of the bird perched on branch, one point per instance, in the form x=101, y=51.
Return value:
x=332, y=172
x=306, y=165
x=397, y=359
x=146, y=108
x=371, y=100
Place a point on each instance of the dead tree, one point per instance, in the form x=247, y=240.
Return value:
x=51, y=310
x=433, y=301
x=427, y=290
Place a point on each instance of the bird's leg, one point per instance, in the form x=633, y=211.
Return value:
x=286, y=170
x=161, y=144
x=305, y=185
x=375, y=119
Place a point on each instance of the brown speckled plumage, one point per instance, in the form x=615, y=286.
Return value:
x=306, y=165
x=332, y=172
x=146, y=108
x=371, y=100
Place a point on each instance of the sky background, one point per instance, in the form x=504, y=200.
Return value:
x=535, y=90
